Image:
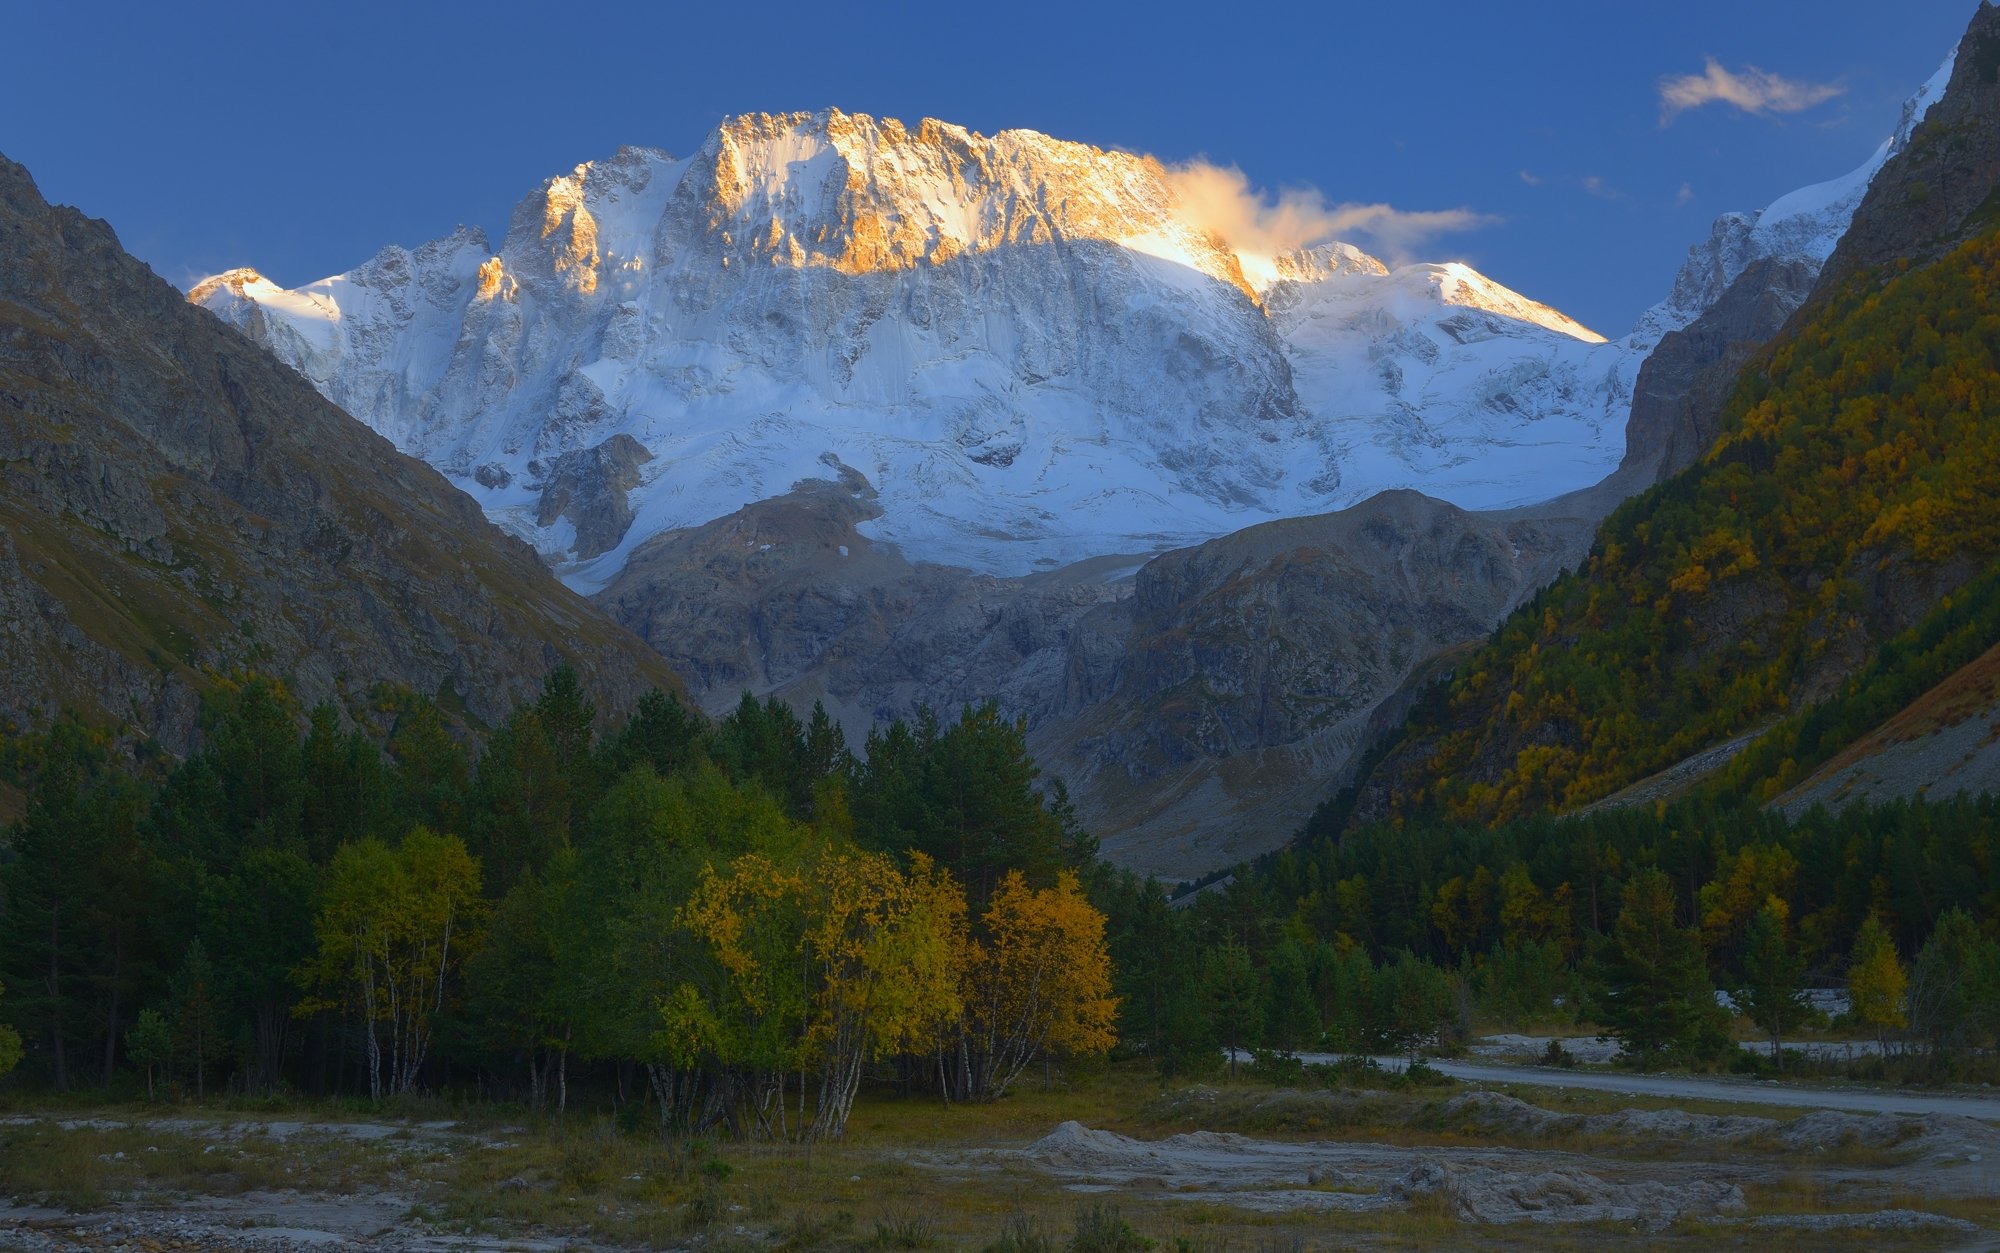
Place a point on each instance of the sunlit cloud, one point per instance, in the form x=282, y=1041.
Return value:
x=1685, y=194
x=1751, y=90
x=1532, y=180
x=1254, y=223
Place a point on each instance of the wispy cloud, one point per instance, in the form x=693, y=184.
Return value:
x=1532, y=180
x=1749, y=89
x=1597, y=187
x=1221, y=200
x=1685, y=194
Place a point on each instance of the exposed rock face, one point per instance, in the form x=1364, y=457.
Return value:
x=1941, y=189
x=787, y=597
x=591, y=487
x=178, y=505
x=1251, y=672
x=1196, y=707
x=1683, y=386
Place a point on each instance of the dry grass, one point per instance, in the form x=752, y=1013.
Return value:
x=903, y=1179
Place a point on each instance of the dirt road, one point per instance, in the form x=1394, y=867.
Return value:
x=1740, y=1091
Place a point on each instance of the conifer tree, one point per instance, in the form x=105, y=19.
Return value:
x=1230, y=983
x=1769, y=993
x=1657, y=996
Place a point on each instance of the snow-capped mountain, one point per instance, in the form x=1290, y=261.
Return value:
x=1804, y=225
x=1032, y=349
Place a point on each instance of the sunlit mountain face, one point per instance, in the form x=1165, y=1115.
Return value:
x=1033, y=351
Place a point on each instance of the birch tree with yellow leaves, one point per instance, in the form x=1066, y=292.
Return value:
x=839, y=960
x=1037, y=983
x=394, y=928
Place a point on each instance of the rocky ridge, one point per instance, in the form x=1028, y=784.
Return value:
x=179, y=507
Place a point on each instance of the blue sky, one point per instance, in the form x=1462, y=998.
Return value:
x=299, y=139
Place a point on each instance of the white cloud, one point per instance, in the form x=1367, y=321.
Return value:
x=1685, y=194
x=1220, y=200
x=1751, y=90
x=1602, y=190
x=1532, y=180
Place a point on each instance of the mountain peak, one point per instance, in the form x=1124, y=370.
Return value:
x=1035, y=350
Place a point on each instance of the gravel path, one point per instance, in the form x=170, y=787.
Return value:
x=1738, y=1091
x=1689, y=1088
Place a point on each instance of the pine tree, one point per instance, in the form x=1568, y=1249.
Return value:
x=1770, y=994
x=1657, y=997
x=1291, y=1021
x=197, y=1013
x=1229, y=982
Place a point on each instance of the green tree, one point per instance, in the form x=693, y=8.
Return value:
x=661, y=733
x=1657, y=997
x=1160, y=1008
x=764, y=744
x=78, y=904
x=1418, y=1003
x=430, y=770
x=149, y=1044
x=10, y=1047
x=343, y=785
x=1770, y=993
x=1229, y=982
x=1954, y=994
x=1291, y=1020
x=197, y=1014
x=521, y=798
x=1876, y=981
x=1521, y=981
x=259, y=922
x=393, y=928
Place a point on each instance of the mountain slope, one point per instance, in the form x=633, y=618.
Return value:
x=1198, y=706
x=1850, y=492
x=1034, y=352
x=178, y=506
